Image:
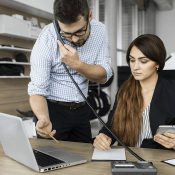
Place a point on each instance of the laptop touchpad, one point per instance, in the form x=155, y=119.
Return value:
x=60, y=153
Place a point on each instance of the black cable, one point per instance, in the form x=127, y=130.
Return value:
x=105, y=107
x=99, y=118
x=102, y=122
x=100, y=101
x=168, y=58
x=95, y=102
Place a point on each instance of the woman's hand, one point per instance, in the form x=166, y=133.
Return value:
x=166, y=139
x=102, y=142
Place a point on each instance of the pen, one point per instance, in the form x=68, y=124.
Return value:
x=53, y=138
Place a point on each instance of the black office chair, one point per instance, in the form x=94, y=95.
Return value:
x=169, y=74
x=124, y=73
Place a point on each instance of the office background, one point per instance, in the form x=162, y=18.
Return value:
x=22, y=20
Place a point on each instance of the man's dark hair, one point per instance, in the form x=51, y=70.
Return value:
x=68, y=11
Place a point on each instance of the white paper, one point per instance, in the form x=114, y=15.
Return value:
x=29, y=126
x=170, y=161
x=112, y=154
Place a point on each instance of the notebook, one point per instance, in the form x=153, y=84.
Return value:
x=17, y=146
x=112, y=154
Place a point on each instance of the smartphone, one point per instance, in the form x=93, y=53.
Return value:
x=166, y=128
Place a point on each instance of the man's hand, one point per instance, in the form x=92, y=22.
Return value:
x=102, y=142
x=93, y=72
x=69, y=56
x=166, y=139
x=44, y=128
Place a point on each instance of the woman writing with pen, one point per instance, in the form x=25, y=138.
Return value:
x=144, y=101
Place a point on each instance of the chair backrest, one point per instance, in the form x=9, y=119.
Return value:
x=169, y=74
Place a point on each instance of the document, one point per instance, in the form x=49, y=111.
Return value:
x=112, y=154
x=170, y=161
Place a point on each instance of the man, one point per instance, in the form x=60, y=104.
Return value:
x=59, y=107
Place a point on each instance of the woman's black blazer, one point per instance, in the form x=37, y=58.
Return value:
x=162, y=110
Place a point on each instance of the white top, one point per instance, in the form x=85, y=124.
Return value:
x=145, y=132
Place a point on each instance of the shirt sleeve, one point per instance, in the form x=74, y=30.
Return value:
x=41, y=59
x=104, y=58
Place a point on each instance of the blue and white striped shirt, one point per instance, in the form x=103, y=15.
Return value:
x=48, y=77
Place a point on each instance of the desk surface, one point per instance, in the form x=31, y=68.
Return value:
x=11, y=167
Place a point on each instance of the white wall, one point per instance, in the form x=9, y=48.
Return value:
x=165, y=28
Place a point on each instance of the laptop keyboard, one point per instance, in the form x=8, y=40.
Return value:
x=45, y=160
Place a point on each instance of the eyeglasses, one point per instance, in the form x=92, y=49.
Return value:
x=78, y=33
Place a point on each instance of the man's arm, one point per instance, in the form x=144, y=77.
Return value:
x=94, y=73
x=39, y=106
x=69, y=56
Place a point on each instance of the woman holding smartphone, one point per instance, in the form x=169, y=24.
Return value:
x=144, y=101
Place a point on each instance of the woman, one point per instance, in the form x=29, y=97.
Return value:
x=144, y=101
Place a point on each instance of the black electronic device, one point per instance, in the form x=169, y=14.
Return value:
x=140, y=167
x=133, y=168
x=57, y=30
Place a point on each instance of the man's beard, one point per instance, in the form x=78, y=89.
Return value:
x=80, y=43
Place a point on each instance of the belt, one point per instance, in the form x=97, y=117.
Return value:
x=70, y=105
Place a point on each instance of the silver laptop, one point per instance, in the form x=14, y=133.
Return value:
x=17, y=146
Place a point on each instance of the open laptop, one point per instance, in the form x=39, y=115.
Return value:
x=17, y=146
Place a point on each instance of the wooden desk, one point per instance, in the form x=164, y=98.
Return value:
x=11, y=167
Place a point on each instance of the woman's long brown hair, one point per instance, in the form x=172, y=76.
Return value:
x=128, y=114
